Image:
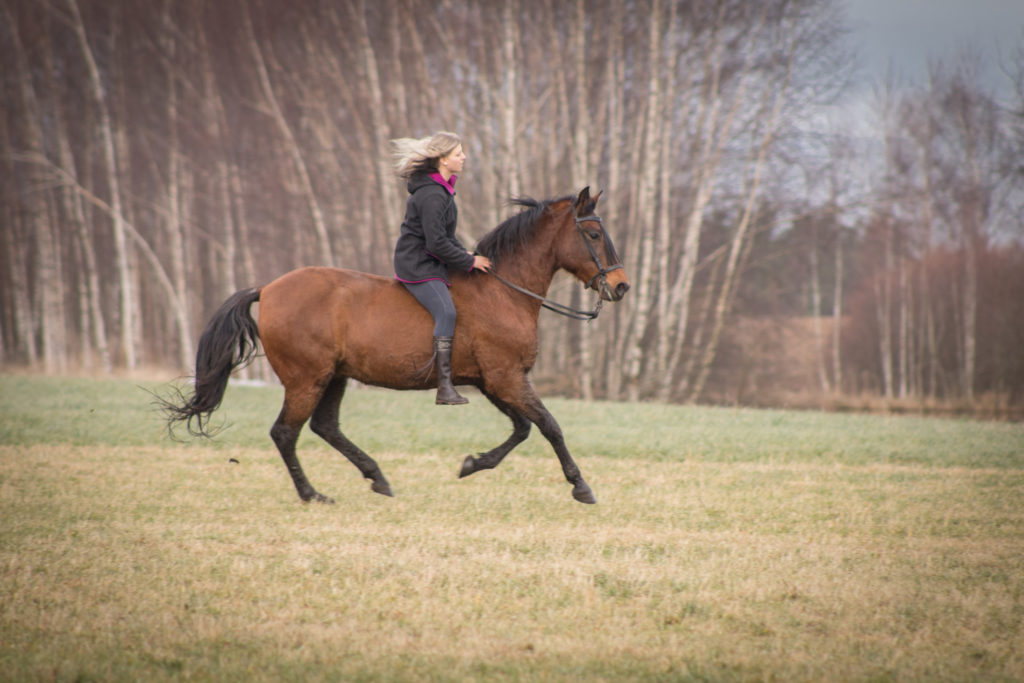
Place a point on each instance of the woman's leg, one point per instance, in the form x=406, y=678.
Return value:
x=433, y=295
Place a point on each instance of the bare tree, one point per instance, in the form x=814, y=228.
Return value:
x=274, y=110
x=46, y=258
x=125, y=268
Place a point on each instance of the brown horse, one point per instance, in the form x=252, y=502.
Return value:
x=321, y=326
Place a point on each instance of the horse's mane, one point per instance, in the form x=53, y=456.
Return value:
x=514, y=232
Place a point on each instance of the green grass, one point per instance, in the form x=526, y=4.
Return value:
x=87, y=412
x=726, y=545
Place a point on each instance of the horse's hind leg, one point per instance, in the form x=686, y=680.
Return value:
x=325, y=425
x=491, y=459
x=298, y=404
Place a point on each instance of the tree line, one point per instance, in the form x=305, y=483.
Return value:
x=156, y=157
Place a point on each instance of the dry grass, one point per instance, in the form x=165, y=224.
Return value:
x=149, y=563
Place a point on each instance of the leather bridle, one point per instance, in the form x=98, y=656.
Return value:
x=601, y=277
x=602, y=272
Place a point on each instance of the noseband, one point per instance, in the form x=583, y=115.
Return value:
x=602, y=272
x=601, y=277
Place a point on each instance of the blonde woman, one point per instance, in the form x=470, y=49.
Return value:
x=427, y=247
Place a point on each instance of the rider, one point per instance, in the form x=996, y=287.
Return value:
x=427, y=247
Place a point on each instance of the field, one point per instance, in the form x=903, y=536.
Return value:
x=726, y=545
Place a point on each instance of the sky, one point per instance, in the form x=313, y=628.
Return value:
x=908, y=33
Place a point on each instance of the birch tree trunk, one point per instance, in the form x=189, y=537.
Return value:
x=580, y=173
x=714, y=131
x=924, y=141
x=837, y=315
x=615, y=76
x=739, y=242
x=903, y=329
x=647, y=180
x=92, y=320
x=14, y=272
x=972, y=213
x=509, y=104
x=816, y=312
x=122, y=251
x=663, y=220
x=323, y=240
x=175, y=226
x=380, y=127
x=883, y=307
x=46, y=272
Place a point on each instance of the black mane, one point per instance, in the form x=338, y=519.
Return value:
x=515, y=231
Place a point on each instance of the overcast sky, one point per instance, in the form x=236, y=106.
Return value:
x=907, y=33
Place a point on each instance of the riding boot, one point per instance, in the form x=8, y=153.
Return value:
x=446, y=394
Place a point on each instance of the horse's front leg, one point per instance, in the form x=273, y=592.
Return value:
x=553, y=433
x=491, y=459
x=533, y=409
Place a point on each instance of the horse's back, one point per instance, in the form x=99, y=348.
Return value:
x=315, y=281
x=303, y=299
x=326, y=320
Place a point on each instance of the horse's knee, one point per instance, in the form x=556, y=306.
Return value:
x=283, y=435
x=324, y=428
x=521, y=429
x=550, y=429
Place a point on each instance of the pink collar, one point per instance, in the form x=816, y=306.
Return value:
x=446, y=184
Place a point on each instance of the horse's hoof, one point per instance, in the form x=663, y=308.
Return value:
x=583, y=494
x=382, y=488
x=468, y=467
x=319, y=498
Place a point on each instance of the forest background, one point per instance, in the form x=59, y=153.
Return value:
x=157, y=156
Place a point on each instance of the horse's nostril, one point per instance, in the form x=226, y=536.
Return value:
x=621, y=289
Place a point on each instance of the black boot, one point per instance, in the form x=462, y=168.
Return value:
x=446, y=394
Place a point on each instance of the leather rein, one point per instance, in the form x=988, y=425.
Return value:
x=601, y=277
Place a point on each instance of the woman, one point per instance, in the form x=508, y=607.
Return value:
x=427, y=247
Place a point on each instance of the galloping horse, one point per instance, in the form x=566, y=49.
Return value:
x=321, y=326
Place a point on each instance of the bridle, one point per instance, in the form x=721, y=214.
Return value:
x=601, y=277
x=602, y=272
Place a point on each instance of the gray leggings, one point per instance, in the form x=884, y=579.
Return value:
x=433, y=295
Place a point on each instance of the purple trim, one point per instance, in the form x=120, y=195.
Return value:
x=420, y=282
x=446, y=184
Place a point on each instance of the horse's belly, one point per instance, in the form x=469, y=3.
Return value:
x=395, y=370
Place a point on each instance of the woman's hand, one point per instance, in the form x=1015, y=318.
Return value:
x=481, y=262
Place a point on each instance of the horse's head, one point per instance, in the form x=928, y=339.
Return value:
x=586, y=250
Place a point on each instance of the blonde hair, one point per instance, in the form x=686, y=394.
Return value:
x=422, y=154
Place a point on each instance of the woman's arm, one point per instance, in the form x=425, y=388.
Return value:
x=438, y=243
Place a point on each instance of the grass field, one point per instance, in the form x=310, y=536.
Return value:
x=726, y=545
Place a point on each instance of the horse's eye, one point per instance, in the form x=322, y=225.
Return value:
x=594, y=235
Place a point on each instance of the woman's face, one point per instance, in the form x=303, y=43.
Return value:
x=454, y=161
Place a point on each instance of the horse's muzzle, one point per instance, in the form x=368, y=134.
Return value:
x=614, y=293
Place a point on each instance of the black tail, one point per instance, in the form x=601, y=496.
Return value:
x=228, y=342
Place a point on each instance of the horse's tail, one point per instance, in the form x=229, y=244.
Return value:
x=228, y=342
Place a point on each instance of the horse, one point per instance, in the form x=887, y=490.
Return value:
x=321, y=326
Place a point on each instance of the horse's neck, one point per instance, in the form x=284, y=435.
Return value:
x=533, y=267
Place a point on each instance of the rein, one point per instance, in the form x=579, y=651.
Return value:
x=561, y=309
x=602, y=275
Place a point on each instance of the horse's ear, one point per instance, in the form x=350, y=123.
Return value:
x=585, y=203
x=582, y=200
